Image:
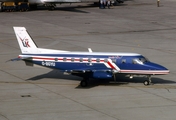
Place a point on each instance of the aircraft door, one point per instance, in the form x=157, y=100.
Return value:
x=115, y=63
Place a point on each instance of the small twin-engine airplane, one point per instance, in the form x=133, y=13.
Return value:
x=99, y=65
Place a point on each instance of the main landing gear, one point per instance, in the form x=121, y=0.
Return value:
x=148, y=82
x=51, y=6
x=84, y=82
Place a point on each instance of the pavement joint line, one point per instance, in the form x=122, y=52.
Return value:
x=149, y=106
x=78, y=102
x=161, y=86
x=104, y=112
x=52, y=112
x=161, y=50
x=11, y=74
x=140, y=19
x=103, y=33
x=4, y=116
x=84, y=104
x=156, y=95
x=9, y=45
x=65, y=97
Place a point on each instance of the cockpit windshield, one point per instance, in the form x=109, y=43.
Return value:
x=141, y=60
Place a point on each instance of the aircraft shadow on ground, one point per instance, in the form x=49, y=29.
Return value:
x=120, y=79
x=55, y=74
x=73, y=8
x=141, y=79
x=70, y=8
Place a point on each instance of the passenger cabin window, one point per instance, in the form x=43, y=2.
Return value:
x=124, y=61
x=89, y=60
x=64, y=59
x=81, y=59
x=106, y=60
x=98, y=59
x=72, y=59
x=56, y=59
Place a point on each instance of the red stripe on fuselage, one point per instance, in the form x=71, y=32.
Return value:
x=44, y=58
x=111, y=65
x=144, y=72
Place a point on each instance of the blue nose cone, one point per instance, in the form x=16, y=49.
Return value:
x=157, y=69
x=155, y=66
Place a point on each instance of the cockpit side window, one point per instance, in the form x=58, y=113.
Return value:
x=134, y=61
x=141, y=60
x=144, y=60
x=137, y=61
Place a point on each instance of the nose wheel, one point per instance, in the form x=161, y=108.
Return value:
x=148, y=82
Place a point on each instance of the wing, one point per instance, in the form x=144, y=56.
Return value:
x=91, y=73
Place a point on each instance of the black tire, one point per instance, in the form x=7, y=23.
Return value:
x=33, y=7
x=84, y=83
x=146, y=82
x=51, y=8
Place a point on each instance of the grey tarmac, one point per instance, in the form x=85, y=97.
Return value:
x=139, y=26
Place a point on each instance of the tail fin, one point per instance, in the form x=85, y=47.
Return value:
x=25, y=42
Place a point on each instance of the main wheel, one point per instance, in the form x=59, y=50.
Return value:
x=51, y=8
x=84, y=83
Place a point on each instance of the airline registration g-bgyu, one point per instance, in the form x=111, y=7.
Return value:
x=88, y=65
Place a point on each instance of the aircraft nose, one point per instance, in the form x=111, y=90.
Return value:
x=164, y=69
x=158, y=68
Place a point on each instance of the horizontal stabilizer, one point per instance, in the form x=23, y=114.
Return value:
x=15, y=59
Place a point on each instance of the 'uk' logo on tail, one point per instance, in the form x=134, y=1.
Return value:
x=25, y=42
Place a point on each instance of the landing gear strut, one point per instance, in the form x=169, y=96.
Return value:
x=50, y=6
x=148, y=82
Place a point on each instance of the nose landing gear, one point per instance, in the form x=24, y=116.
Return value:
x=148, y=82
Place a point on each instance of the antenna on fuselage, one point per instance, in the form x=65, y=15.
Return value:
x=89, y=49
